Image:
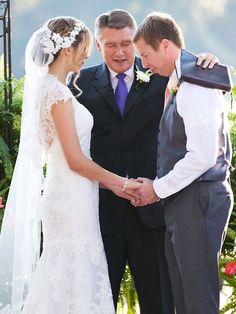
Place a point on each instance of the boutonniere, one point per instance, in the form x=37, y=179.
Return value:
x=142, y=77
x=173, y=85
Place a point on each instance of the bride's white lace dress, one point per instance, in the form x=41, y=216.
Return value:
x=72, y=275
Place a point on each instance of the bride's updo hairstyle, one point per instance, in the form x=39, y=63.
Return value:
x=57, y=33
x=65, y=26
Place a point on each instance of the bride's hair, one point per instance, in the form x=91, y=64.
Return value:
x=57, y=33
x=65, y=25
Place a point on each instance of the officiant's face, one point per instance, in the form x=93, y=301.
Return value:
x=157, y=60
x=117, y=48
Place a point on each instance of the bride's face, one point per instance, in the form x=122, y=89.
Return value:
x=80, y=54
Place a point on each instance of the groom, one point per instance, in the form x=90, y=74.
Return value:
x=193, y=169
x=124, y=140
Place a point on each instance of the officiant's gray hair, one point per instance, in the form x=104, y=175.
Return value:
x=157, y=26
x=117, y=19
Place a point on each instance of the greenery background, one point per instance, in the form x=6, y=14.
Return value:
x=207, y=25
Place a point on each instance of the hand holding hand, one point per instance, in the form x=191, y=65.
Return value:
x=117, y=190
x=131, y=186
x=146, y=193
x=128, y=191
x=207, y=60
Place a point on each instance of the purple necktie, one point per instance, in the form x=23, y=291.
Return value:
x=121, y=92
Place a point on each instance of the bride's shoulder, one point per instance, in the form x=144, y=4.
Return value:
x=50, y=83
x=53, y=91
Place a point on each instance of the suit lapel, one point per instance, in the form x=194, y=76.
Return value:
x=135, y=91
x=103, y=85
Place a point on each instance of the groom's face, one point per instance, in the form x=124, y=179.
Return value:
x=117, y=48
x=157, y=60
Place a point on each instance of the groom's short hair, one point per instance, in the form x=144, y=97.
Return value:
x=157, y=26
x=117, y=19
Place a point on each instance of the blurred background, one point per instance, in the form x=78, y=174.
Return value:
x=208, y=25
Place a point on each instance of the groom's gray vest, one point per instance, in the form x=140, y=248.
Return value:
x=172, y=146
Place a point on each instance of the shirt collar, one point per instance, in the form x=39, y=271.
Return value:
x=176, y=74
x=129, y=73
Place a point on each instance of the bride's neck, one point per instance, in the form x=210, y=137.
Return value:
x=58, y=70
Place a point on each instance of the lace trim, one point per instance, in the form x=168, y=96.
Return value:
x=9, y=310
x=52, y=92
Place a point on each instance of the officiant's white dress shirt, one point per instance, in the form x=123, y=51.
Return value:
x=201, y=110
x=128, y=79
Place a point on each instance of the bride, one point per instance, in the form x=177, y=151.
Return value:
x=71, y=276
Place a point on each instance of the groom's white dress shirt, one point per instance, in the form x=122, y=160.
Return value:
x=201, y=110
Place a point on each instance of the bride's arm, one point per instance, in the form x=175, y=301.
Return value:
x=63, y=117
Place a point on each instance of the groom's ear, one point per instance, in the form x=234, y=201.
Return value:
x=165, y=43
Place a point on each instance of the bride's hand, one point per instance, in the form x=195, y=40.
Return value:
x=117, y=191
x=127, y=191
x=130, y=187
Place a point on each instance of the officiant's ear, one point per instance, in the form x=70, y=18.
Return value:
x=98, y=46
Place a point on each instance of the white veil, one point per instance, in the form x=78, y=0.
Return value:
x=21, y=227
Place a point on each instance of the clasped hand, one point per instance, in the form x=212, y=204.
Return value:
x=139, y=191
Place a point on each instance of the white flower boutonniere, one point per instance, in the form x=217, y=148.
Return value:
x=173, y=85
x=143, y=77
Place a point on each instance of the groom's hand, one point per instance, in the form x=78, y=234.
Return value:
x=206, y=60
x=146, y=192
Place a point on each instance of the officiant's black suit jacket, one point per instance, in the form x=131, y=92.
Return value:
x=125, y=145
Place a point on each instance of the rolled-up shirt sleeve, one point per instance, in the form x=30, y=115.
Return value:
x=202, y=112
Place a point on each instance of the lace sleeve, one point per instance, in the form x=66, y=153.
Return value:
x=52, y=92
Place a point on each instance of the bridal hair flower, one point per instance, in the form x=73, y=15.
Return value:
x=143, y=77
x=53, y=42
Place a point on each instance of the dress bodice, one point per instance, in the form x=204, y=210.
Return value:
x=71, y=276
x=52, y=92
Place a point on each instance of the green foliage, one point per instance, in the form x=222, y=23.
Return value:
x=9, y=117
x=231, y=232
x=234, y=91
x=128, y=296
x=229, y=253
x=228, y=281
x=5, y=160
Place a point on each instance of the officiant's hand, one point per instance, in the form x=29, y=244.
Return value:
x=207, y=60
x=146, y=193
